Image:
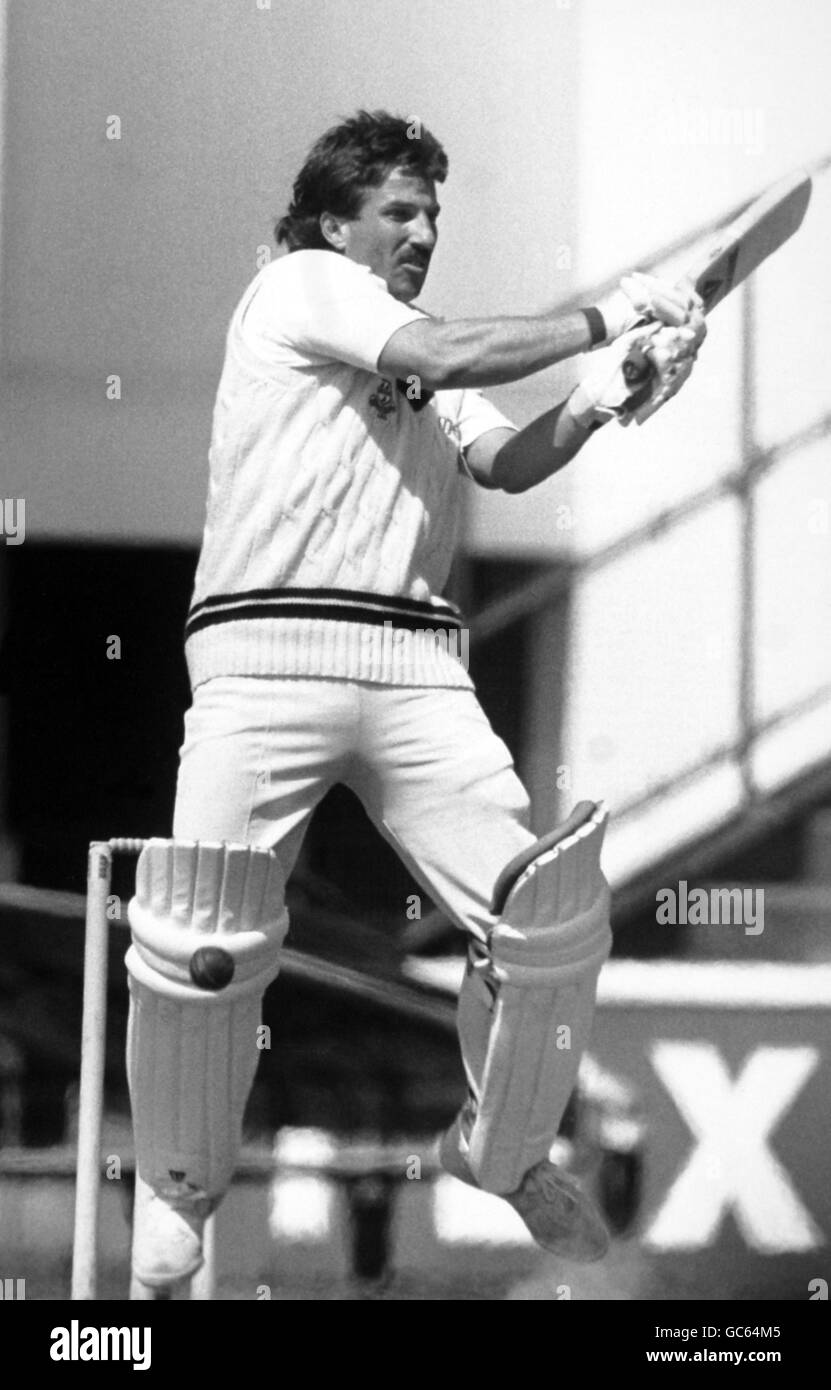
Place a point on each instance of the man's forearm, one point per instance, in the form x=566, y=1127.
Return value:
x=539, y=450
x=484, y=352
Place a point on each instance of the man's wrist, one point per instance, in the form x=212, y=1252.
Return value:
x=598, y=331
x=583, y=410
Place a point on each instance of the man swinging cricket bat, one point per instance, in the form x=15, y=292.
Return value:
x=332, y=516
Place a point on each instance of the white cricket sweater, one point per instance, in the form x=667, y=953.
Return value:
x=333, y=497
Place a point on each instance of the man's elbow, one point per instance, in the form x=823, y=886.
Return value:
x=420, y=353
x=439, y=372
x=506, y=482
x=505, y=472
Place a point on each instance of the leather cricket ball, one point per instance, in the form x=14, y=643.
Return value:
x=211, y=967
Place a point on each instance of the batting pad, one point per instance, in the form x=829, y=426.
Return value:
x=526, y=1010
x=208, y=921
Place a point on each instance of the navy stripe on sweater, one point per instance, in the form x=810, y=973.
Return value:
x=345, y=605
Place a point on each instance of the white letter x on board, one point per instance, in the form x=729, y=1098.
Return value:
x=732, y=1166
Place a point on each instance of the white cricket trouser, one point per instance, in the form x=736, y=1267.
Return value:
x=260, y=753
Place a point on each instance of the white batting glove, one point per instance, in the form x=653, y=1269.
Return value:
x=671, y=354
x=605, y=393
x=647, y=298
x=639, y=373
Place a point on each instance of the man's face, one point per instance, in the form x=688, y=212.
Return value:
x=395, y=232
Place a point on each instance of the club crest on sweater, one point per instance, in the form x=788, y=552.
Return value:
x=382, y=400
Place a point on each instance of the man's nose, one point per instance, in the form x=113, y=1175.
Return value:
x=423, y=232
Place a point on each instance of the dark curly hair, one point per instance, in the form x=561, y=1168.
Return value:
x=345, y=162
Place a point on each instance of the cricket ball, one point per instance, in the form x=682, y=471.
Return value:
x=211, y=967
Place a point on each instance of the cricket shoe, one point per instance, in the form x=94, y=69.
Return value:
x=167, y=1239
x=561, y=1217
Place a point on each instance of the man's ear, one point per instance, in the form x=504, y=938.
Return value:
x=334, y=230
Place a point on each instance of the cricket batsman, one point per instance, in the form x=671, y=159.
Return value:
x=346, y=422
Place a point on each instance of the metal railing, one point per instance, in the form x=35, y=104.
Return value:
x=741, y=482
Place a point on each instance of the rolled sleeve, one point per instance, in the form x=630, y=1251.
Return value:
x=472, y=415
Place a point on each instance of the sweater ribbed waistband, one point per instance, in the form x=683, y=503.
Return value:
x=344, y=605
x=337, y=633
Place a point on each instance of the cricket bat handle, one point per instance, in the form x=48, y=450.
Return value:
x=637, y=367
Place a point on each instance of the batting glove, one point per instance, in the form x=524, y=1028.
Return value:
x=671, y=354
x=640, y=372
x=604, y=393
x=647, y=298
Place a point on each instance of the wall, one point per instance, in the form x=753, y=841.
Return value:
x=127, y=256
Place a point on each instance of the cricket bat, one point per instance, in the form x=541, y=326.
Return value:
x=765, y=225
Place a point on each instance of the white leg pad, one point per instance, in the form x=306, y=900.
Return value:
x=208, y=921
x=527, y=1005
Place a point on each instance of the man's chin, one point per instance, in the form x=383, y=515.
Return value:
x=407, y=285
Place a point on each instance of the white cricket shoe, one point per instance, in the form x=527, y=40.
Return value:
x=561, y=1217
x=167, y=1239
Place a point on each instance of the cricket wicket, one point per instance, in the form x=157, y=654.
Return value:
x=91, y=1100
